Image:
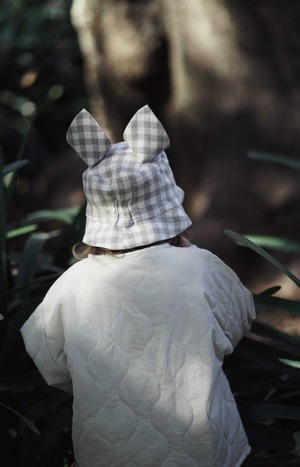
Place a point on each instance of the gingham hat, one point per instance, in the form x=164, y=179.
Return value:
x=132, y=197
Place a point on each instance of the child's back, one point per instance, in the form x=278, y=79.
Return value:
x=138, y=334
x=142, y=336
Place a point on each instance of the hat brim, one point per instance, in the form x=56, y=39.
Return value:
x=119, y=237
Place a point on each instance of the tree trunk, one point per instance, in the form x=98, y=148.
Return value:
x=222, y=75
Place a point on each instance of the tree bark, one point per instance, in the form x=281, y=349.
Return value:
x=223, y=77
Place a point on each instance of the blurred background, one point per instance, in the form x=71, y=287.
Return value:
x=223, y=76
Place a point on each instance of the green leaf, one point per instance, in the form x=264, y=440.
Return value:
x=292, y=363
x=274, y=158
x=53, y=431
x=71, y=235
x=267, y=436
x=296, y=451
x=267, y=302
x=271, y=290
x=25, y=420
x=3, y=246
x=272, y=411
x=275, y=243
x=14, y=166
x=65, y=215
x=247, y=378
x=257, y=356
x=20, y=231
x=278, y=338
x=28, y=452
x=11, y=338
x=13, y=181
x=29, y=263
x=241, y=239
x=37, y=281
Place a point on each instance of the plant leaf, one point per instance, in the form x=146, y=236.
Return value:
x=241, y=239
x=297, y=443
x=14, y=166
x=267, y=302
x=256, y=355
x=268, y=436
x=65, y=215
x=20, y=231
x=3, y=251
x=292, y=363
x=275, y=158
x=13, y=181
x=26, y=285
x=278, y=338
x=27, y=422
x=274, y=243
x=271, y=290
x=271, y=411
x=53, y=431
x=29, y=261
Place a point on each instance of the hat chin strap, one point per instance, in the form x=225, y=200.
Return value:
x=141, y=247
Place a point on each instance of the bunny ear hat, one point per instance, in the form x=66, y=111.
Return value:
x=132, y=196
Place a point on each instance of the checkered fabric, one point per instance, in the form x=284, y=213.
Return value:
x=87, y=138
x=132, y=197
x=145, y=135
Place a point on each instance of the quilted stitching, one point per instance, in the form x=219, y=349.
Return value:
x=146, y=367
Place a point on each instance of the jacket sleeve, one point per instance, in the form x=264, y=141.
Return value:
x=235, y=308
x=43, y=336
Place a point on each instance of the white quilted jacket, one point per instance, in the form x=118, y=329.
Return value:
x=139, y=339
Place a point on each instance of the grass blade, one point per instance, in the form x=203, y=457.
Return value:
x=271, y=290
x=65, y=215
x=279, y=339
x=13, y=181
x=274, y=243
x=26, y=285
x=292, y=363
x=14, y=166
x=274, y=158
x=54, y=430
x=25, y=420
x=3, y=251
x=20, y=231
x=30, y=258
x=241, y=239
x=267, y=302
x=272, y=411
x=268, y=436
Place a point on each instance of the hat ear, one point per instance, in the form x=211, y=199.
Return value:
x=145, y=135
x=87, y=138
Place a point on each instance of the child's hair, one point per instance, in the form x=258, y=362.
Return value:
x=82, y=250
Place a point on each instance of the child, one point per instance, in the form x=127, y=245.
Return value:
x=137, y=330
